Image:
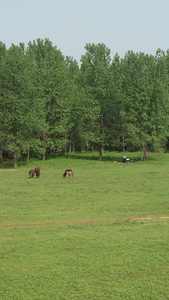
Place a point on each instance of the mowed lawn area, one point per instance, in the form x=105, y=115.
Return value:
x=103, y=234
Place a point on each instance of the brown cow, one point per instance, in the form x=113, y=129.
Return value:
x=32, y=173
x=37, y=171
x=68, y=173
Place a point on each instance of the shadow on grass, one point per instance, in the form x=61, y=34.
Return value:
x=113, y=157
x=91, y=156
x=8, y=164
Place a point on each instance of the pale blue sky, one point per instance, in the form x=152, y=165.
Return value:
x=122, y=25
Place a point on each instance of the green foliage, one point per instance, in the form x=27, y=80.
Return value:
x=50, y=105
x=54, y=80
x=18, y=107
x=96, y=75
x=144, y=102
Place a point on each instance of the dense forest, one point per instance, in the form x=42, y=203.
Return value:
x=49, y=104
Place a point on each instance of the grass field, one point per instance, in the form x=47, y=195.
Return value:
x=103, y=234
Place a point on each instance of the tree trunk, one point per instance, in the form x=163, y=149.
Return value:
x=1, y=158
x=44, y=148
x=73, y=146
x=70, y=146
x=123, y=140
x=15, y=160
x=145, y=155
x=123, y=147
x=100, y=152
x=27, y=158
x=87, y=147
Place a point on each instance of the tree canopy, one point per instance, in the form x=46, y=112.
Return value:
x=49, y=104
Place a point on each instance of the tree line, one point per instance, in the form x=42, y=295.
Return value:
x=49, y=104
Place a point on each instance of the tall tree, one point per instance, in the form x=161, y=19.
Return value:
x=17, y=106
x=142, y=102
x=54, y=85
x=3, y=52
x=84, y=111
x=96, y=78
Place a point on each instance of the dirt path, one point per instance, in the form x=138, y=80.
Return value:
x=84, y=222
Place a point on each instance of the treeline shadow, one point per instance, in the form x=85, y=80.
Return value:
x=8, y=164
x=106, y=157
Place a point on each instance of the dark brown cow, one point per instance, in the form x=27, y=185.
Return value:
x=32, y=173
x=68, y=173
x=37, y=171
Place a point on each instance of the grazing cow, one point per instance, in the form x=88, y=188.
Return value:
x=68, y=173
x=32, y=173
x=37, y=171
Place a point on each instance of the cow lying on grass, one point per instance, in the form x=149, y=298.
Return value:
x=68, y=173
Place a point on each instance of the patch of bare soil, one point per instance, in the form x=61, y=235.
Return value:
x=84, y=222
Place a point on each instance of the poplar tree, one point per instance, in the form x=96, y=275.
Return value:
x=144, y=102
x=18, y=109
x=3, y=52
x=54, y=86
x=95, y=69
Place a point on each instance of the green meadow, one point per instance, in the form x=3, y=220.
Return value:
x=103, y=234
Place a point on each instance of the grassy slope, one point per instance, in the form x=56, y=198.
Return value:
x=123, y=260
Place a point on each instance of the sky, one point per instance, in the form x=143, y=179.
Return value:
x=122, y=25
